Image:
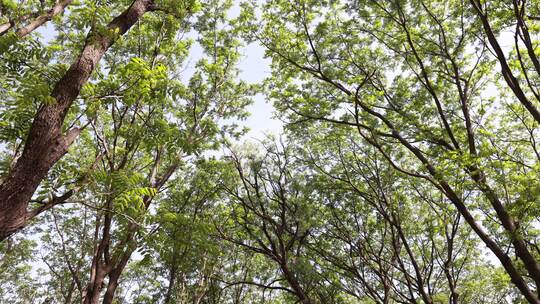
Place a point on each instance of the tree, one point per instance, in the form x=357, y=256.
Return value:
x=425, y=110
x=160, y=123
x=406, y=173
x=273, y=219
x=143, y=126
x=47, y=139
x=28, y=21
x=389, y=238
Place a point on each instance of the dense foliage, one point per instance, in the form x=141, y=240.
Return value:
x=407, y=171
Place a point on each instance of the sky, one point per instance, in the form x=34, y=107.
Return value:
x=254, y=68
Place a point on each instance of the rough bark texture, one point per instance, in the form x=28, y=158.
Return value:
x=46, y=143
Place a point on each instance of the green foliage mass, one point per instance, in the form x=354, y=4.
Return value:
x=407, y=172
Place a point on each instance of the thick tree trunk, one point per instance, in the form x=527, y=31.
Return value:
x=94, y=287
x=46, y=143
x=111, y=286
x=295, y=285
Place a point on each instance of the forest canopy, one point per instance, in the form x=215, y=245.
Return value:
x=407, y=169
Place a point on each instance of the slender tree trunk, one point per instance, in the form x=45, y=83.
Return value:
x=69, y=295
x=506, y=71
x=109, y=266
x=46, y=143
x=170, y=286
x=42, y=19
x=5, y=27
x=114, y=275
x=97, y=269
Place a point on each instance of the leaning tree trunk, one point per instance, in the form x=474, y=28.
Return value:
x=46, y=142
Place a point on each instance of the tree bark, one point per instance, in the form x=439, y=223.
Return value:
x=98, y=271
x=170, y=285
x=295, y=285
x=93, y=290
x=114, y=276
x=46, y=143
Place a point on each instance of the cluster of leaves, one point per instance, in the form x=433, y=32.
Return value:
x=407, y=174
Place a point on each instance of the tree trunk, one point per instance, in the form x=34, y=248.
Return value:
x=111, y=286
x=295, y=285
x=46, y=143
x=114, y=275
x=93, y=289
x=506, y=71
x=170, y=286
